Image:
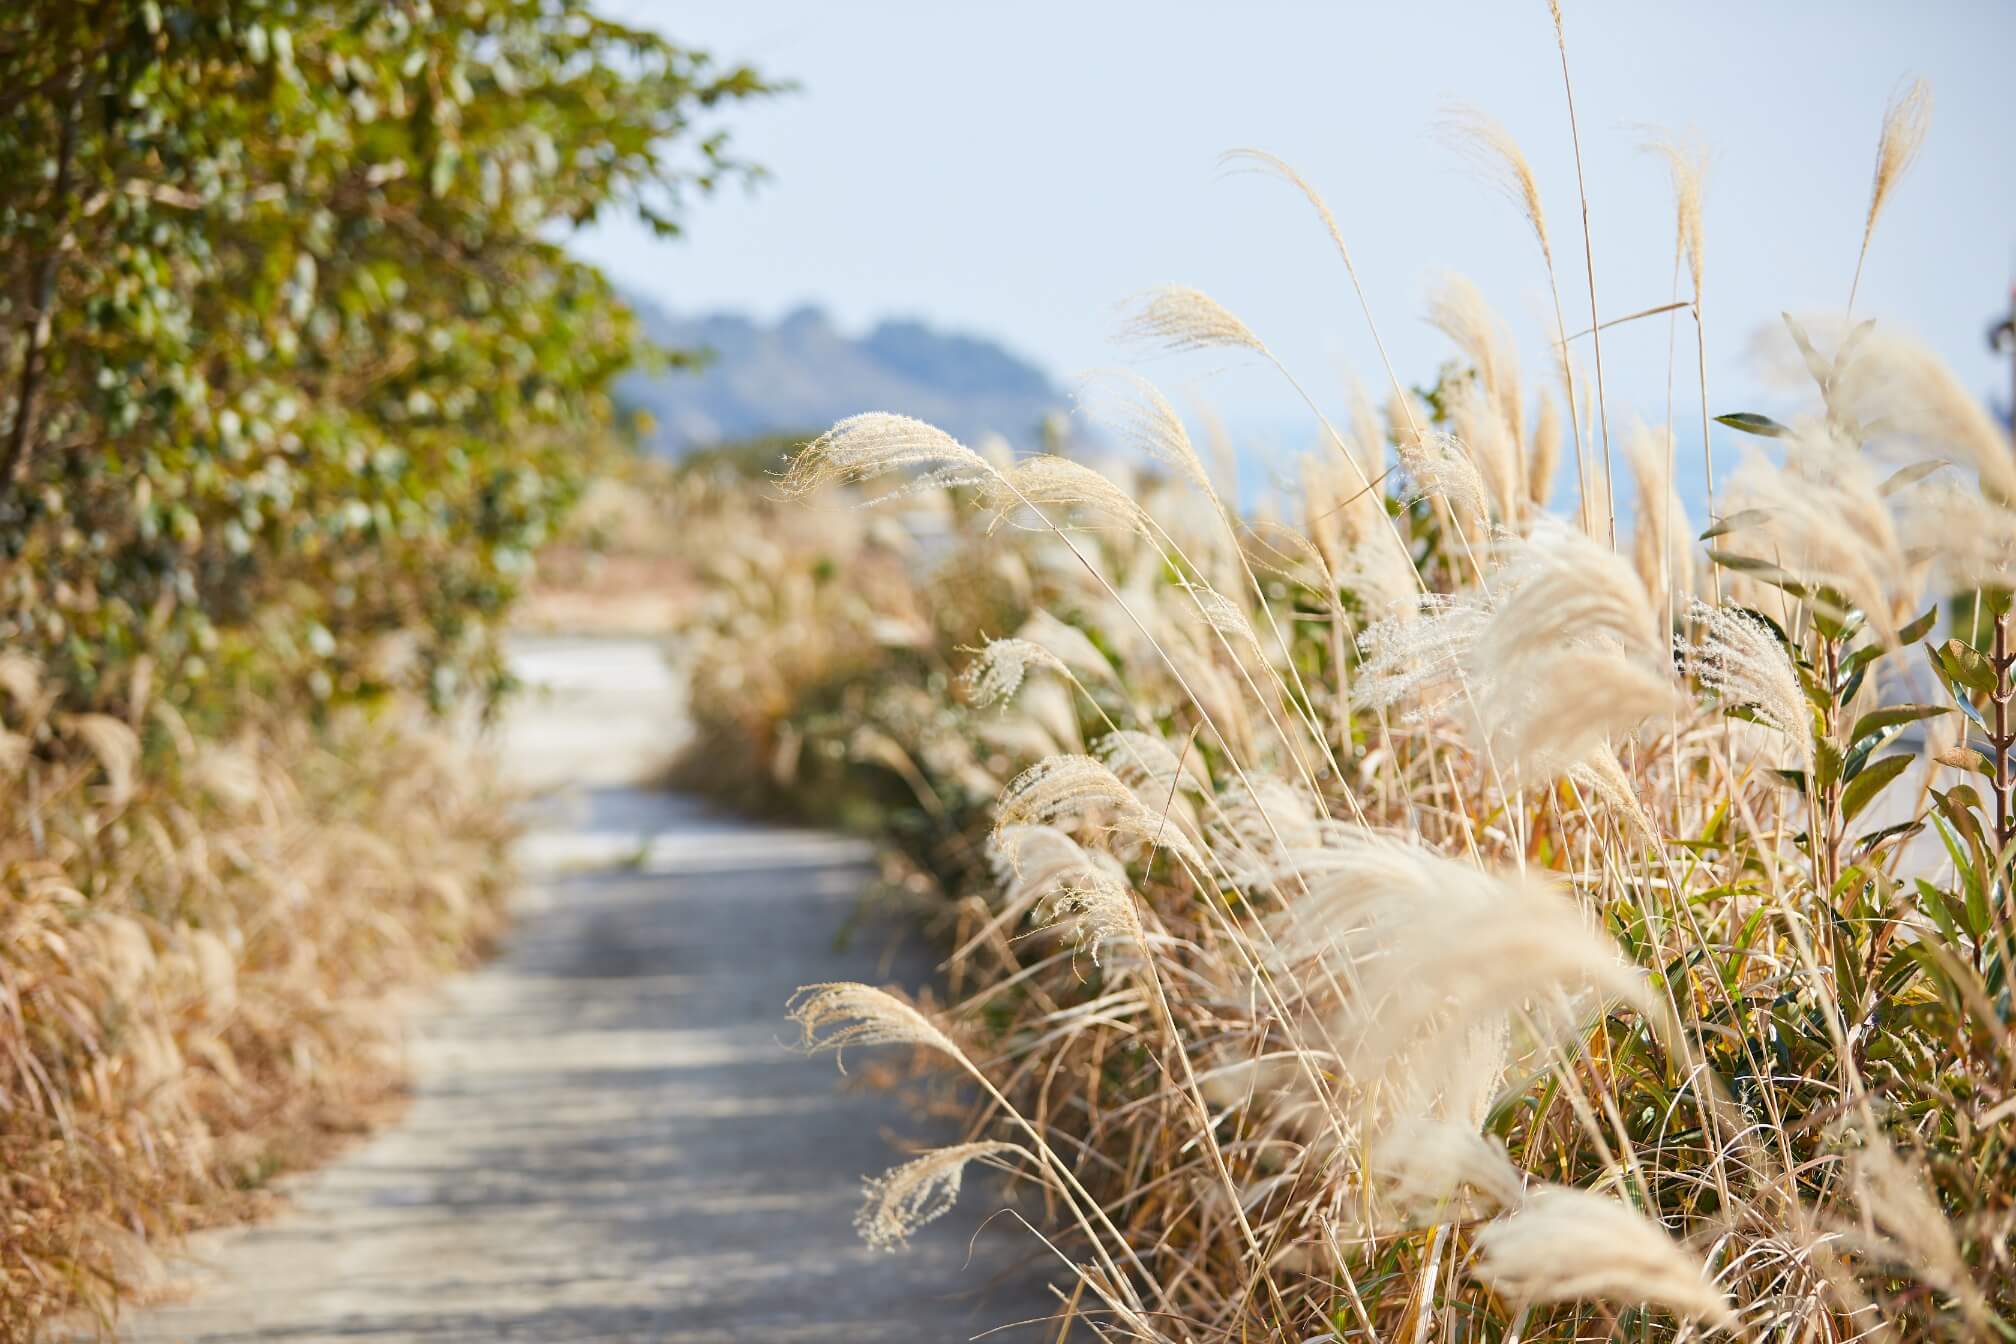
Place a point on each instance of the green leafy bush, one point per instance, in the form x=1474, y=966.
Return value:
x=296, y=374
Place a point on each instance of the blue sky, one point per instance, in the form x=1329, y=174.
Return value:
x=1021, y=170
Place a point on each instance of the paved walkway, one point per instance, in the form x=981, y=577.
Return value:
x=611, y=1139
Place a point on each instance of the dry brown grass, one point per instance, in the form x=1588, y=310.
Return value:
x=1367, y=925
x=207, y=943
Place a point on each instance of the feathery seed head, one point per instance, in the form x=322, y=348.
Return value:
x=1095, y=909
x=1144, y=761
x=919, y=1191
x=1492, y=149
x=1062, y=483
x=1079, y=788
x=1221, y=614
x=1491, y=443
x=862, y=447
x=1143, y=418
x=1178, y=319
x=838, y=1014
x=1738, y=657
x=1661, y=543
x=1914, y=1231
x=1688, y=166
x=1543, y=452
x=1566, y=1245
x=1426, y=1163
x=1439, y=466
x=1458, y=310
x=1905, y=122
x=996, y=673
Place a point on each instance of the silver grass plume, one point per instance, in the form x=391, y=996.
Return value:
x=1261, y=818
x=1543, y=452
x=998, y=670
x=1564, y=654
x=1969, y=535
x=1600, y=775
x=1425, y=1163
x=1905, y=122
x=1381, y=574
x=1466, y=950
x=1143, y=419
x=1661, y=542
x=1738, y=657
x=1566, y=1245
x=1687, y=165
x=919, y=1191
x=1492, y=445
x=1896, y=388
x=116, y=747
x=863, y=447
x=1145, y=762
x=1439, y=466
x=1083, y=788
x=1557, y=587
x=1096, y=910
x=1822, y=518
x=1031, y=862
x=1178, y=318
x=837, y=1014
x=1421, y=650
x=1492, y=149
x=1368, y=438
x=1405, y=416
x=1458, y=310
x=1062, y=483
x=1572, y=654
x=1221, y=614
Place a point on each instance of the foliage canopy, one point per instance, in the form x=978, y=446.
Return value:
x=296, y=371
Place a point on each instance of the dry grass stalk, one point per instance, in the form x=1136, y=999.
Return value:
x=166, y=1043
x=1905, y=123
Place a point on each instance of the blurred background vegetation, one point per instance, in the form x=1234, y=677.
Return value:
x=295, y=375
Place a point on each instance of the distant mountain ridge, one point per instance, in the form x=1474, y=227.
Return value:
x=802, y=374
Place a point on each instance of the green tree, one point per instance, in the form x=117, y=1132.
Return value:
x=296, y=371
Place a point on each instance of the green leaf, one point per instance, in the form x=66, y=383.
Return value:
x=1762, y=570
x=1827, y=763
x=1862, y=790
x=1750, y=422
x=1967, y=756
x=1919, y=628
x=1958, y=805
x=1892, y=716
x=1965, y=665
x=1834, y=615
x=1876, y=838
x=1942, y=905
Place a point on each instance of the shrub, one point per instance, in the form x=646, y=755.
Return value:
x=297, y=364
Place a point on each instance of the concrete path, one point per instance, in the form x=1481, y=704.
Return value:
x=611, y=1139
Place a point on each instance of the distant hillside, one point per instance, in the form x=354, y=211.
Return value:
x=802, y=374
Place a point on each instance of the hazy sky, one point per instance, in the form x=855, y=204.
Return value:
x=1022, y=169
